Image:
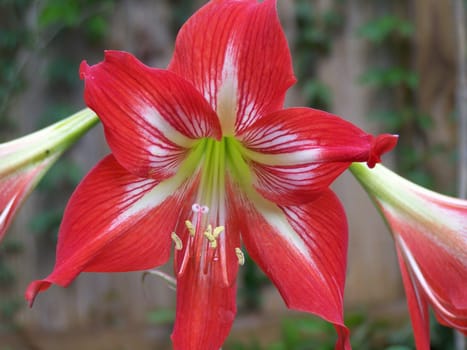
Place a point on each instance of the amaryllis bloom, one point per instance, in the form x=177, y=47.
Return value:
x=205, y=158
x=430, y=233
x=24, y=161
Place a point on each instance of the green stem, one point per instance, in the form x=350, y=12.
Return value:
x=380, y=182
x=391, y=190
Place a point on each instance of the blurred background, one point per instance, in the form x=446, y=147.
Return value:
x=387, y=66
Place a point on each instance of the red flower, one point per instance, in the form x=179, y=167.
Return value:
x=430, y=232
x=203, y=154
x=24, y=161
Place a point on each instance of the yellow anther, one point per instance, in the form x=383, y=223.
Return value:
x=213, y=235
x=240, y=256
x=208, y=233
x=210, y=237
x=217, y=231
x=177, y=241
x=190, y=227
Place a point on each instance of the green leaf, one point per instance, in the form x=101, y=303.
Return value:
x=59, y=12
x=390, y=77
x=390, y=119
x=317, y=94
x=381, y=29
x=46, y=222
x=96, y=28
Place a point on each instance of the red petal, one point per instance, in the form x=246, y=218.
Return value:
x=115, y=221
x=236, y=54
x=15, y=188
x=151, y=117
x=418, y=306
x=206, y=285
x=303, y=249
x=434, y=272
x=295, y=153
x=291, y=185
x=206, y=308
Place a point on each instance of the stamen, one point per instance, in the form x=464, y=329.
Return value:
x=217, y=231
x=177, y=241
x=213, y=235
x=194, y=228
x=210, y=237
x=190, y=227
x=240, y=256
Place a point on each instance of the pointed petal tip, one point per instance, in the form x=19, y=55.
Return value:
x=343, y=337
x=380, y=145
x=33, y=289
x=83, y=69
x=109, y=56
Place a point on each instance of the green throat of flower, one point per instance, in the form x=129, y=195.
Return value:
x=215, y=160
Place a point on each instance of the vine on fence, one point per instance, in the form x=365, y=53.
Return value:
x=396, y=82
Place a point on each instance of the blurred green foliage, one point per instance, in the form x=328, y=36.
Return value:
x=9, y=304
x=387, y=28
x=310, y=333
x=14, y=35
x=181, y=11
x=396, y=82
x=390, y=77
x=67, y=27
x=85, y=15
x=253, y=282
x=29, y=29
x=315, y=33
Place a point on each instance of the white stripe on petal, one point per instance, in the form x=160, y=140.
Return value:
x=5, y=212
x=131, y=207
x=249, y=113
x=227, y=95
x=286, y=179
x=155, y=119
x=420, y=278
x=284, y=159
x=277, y=219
